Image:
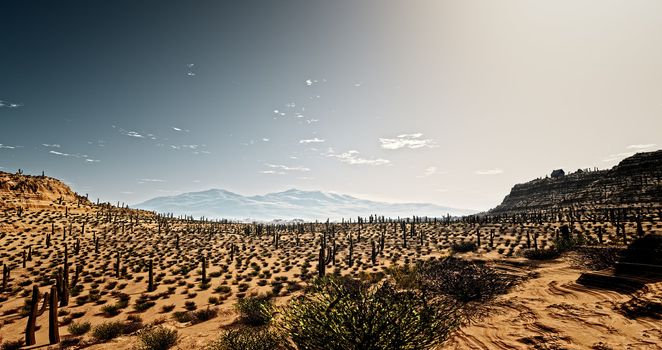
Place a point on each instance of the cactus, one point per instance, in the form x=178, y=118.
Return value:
x=373, y=253
x=350, y=258
x=117, y=266
x=478, y=236
x=203, y=262
x=150, y=280
x=53, y=327
x=32, y=316
x=325, y=256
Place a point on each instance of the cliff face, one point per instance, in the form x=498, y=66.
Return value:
x=635, y=181
x=20, y=190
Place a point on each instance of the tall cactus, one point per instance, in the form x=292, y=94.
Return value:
x=203, y=261
x=326, y=255
x=32, y=316
x=150, y=278
x=53, y=326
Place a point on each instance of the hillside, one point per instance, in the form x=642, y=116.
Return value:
x=20, y=191
x=635, y=181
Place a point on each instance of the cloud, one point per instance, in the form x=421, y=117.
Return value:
x=7, y=146
x=432, y=170
x=287, y=168
x=645, y=146
x=494, y=171
x=634, y=149
x=59, y=153
x=54, y=145
x=129, y=133
x=264, y=139
x=352, y=157
x=150, y=180
x=86, y=158
x=315, y=140
x=274, y=172
x=413, y=141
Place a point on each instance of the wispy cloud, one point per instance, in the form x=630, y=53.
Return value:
x=179, y=129
x=85, y=157
x=495, y=171
x=642, y=147
x=8, y=146
x=53, y=145
x=129, y=133
x=10, y=104
x=142, y=181
x=314, y=140
x=432, y=170
x=633, y=150
x=412, y=141
x=60, y=153
x=287, y=168
x=272, y=172
x=352, y=157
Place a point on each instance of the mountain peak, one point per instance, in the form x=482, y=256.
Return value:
x=289, y=204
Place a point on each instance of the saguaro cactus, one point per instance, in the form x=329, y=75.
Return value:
x=53, y=326
x=203, y=262
x=150, y=279
x=325, y=256
x=32, y=316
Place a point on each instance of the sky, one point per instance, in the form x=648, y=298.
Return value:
x=446, y=102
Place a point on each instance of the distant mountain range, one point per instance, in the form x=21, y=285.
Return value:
x=287, y=205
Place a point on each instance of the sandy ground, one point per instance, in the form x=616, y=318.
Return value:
x=552, y=311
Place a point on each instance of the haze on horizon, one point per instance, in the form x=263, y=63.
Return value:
x=446, y=102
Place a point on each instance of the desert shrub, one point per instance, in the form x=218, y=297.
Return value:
x=255, y=311
x=462, y=280
x=248, y=339
x=195, y=316
x=204, y=315
x=342, y=313
x=183, y=316
x=542, y=254
x=464, y=247
x=110, y=310
x=167, y=308
x=158, y=338
x=190, y=305
x=79, y=328
x=596, y=258
x=12, y=345
x=108, y=330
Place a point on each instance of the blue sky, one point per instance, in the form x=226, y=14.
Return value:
x=449, y=102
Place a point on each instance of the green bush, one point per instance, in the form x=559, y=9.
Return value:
x=249, y=339
x=108, y=330
x=79, y=328
x=158, y=338
x=342, y=313
x=255, y=311
x=462, y=280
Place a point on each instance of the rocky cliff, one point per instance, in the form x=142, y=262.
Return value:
x=18, y=190
x=635, y=181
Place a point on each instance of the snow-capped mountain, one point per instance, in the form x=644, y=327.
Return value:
x=287, y=205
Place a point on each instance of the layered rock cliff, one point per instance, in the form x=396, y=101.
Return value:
x=635, y=181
